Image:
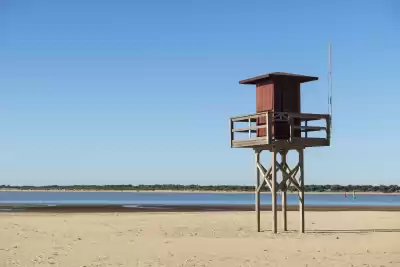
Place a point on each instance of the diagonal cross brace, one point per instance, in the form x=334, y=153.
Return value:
x=296, y=170
x=266, y=181
x=289, y=175
x=292, y=173
x=266, y=175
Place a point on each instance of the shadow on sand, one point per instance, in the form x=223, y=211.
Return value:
x=337, y=231
x=352, y=231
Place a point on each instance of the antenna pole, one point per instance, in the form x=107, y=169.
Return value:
x=330, y=80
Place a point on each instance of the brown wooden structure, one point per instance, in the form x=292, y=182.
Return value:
x=279, y=126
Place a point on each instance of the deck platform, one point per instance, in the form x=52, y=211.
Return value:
x=262, y=143
x=268, y=142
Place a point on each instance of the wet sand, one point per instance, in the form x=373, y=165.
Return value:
x=180, y=208
x=336, y=238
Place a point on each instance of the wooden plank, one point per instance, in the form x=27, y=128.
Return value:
x=243, y=130
x=245, y=118
x=254, y=139
x=289, y=175
x=306, y=115
x=250, y=142
x=294, y=173
x=297, y=142
x=246, y=129
x=309, y=128
x=262, y=169
x=302, y=116
x=266, y=176
x=267, y=182
x=246, y=144
x=310, y=141
x=263, y=183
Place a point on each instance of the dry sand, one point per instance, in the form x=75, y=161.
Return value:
x=197, y=239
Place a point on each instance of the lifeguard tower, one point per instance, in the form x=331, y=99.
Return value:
x=279, y=126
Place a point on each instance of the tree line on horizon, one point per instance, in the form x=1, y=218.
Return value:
x=236, y=188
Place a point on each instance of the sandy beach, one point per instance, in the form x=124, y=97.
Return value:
x=364, y=238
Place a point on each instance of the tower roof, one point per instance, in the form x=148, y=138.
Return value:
x=257, y=79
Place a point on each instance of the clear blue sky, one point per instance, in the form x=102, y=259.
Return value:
x=95, y=92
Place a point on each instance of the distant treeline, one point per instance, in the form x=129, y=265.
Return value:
x=177, y=187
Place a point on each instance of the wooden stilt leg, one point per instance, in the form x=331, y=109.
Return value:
x=284, y=193
x=257, y=193
x=273, y=192
x=301, y=193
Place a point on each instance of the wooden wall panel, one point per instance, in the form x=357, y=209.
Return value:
x=264, y=102
x=279, y=95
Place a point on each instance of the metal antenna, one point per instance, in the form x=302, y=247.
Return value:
x=330, y=81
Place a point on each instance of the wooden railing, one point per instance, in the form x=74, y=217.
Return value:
x=297, y=123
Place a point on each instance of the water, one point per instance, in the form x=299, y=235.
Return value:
x=164, y=198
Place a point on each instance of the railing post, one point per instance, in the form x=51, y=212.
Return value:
x=328, y=128
x=291, y=126
x=268, y=123
x=306, y=132
x=231, y=130
x=249, y=128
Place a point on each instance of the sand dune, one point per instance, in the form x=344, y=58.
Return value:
x=198, y=239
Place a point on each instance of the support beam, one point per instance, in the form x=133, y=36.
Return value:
x=266, y=181
x=257, y=204
x=266, y=176
x=296, y=170
x=284, y=192
x=301, y=193
x=289, y=175
x=273, y=193
x=269, y=177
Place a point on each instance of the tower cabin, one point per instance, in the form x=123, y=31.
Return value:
x=278, y=119
x=279, y=126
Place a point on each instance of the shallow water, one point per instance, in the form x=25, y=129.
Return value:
x=166, y=198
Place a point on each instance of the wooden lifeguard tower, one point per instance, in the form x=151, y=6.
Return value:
x=279, y=126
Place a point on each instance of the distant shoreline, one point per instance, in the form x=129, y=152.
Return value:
x=190, y=191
